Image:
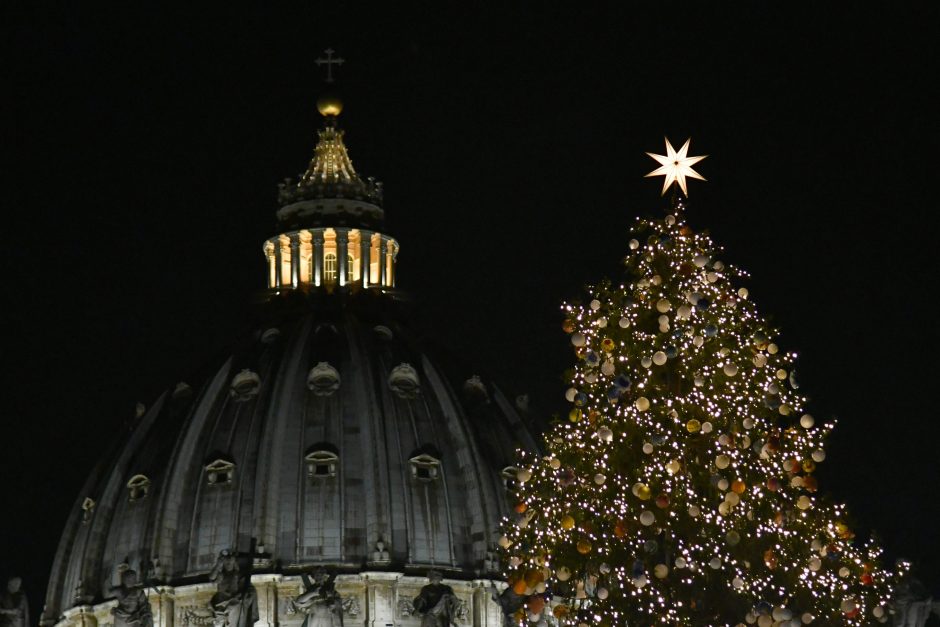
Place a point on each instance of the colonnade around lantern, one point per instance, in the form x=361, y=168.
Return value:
x=324, y=257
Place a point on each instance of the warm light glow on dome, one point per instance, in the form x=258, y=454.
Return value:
x=329, y=105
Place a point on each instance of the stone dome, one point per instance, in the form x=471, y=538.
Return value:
x=379, y=461
x=330, y=436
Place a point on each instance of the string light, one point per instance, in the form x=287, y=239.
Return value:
x=680, y=392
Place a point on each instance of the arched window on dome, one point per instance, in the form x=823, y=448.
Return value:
x=138, y=487
x=350, y=267
x=322, y=460
x=510, y=475
x=425, y=464
x=329, y=267
x=220, y=471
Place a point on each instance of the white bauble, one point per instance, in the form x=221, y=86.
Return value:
x=595, y=304
x=647, y=448
x=819, y=455
x=646, y=362
x=599, y=479
x=807, y=421
x=624, y=322
x=608, y=368
x=730, y=370
x=647, y=518
x=570, y=393
x=722, y=461
x=578, y=339
x=659, y=358
x=642, y=403
x=634, y=244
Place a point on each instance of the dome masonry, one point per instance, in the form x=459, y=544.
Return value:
x=329, y=450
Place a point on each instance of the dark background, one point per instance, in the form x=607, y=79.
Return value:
x=142, y=148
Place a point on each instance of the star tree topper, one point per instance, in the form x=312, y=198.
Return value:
x=675, y=166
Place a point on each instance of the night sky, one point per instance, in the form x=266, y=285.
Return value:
x=142, y=152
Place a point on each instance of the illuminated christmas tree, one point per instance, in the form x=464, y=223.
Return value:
x=680, y=490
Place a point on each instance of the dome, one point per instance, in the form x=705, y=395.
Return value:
x=329, y=436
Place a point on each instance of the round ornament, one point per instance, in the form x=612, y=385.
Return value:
x=715, y=563
x=819, y=455
x=732, y=538
x=738, y=486
x=707, y=427
x=647, y=448
x=673, y=467
x=634, y=244
x=571, y=394
x=605, y=434
x=700, y=261
x=505, y=542
x=663, y=305
x=738, y=583
x=575, y=414
x=563, y=573
x=602, y=593
x=608, y=368
x=647, y=518
x=760, y=360
x=815, y=563
x=807, y=421
x=694, y=511
x=730, y=370
x=595, y=304
x=660, y=571
x=772, y=348
x=599, y=479
x=693, y=426
x=684, y=312
x=646, y=362
x=567, y=522
x=680, y=562
x=578, y=339
x=662, y=501
x=722, y=484
x=804, y=502
x=642, y=403
x=624, y=322
x=555, y=463
x=659, y=358
x=743, y=293
x=584, y=547
x=722, y=461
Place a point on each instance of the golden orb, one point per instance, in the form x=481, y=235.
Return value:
x=329, y=104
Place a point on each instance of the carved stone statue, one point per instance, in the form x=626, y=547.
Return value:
x=14, y=609
x=320, y=603
x=913, y=605
x=235, y=603
x=509, y=603
x=133, y=608
x=436, y=603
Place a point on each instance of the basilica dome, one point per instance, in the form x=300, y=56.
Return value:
x=330, y=436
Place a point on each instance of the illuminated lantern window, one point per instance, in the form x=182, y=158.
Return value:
x=220, y=471
x=138, y=487
x=350, y=266
x=329, y=267
x=322, y=461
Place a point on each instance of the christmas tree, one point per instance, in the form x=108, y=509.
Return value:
x=680, y=490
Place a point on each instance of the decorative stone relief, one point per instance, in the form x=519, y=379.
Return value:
x=323, y=379
x=475, y=390
x=245, y=385
x=196, y=616
x=405, y=608
x=270, y=336
x=404, y=381
x=351, y=606
x=383, y=332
